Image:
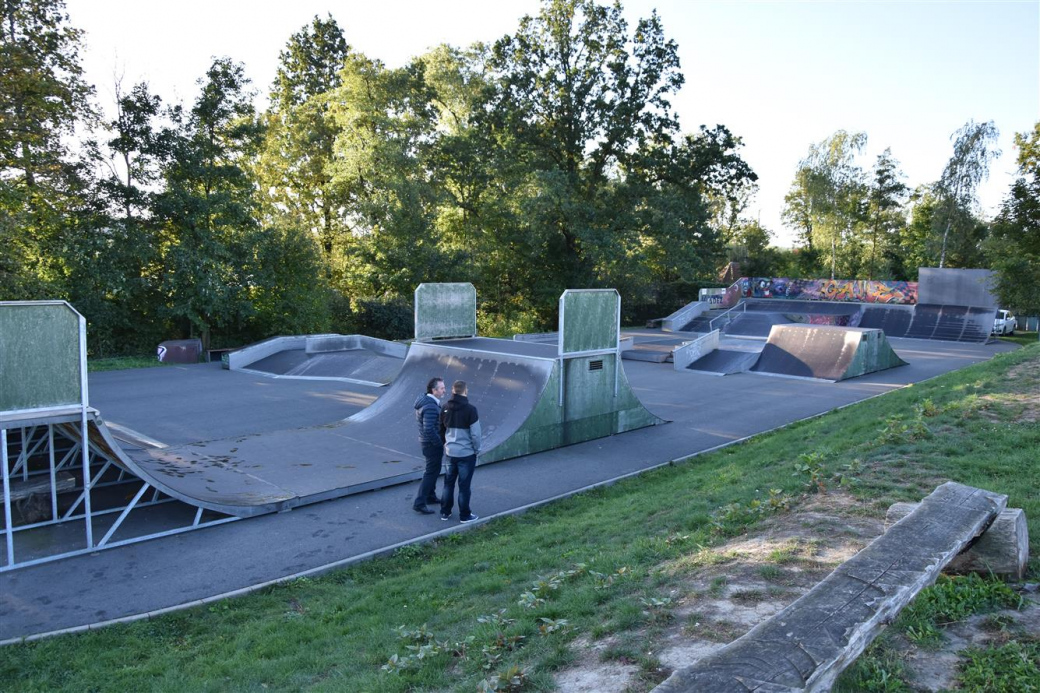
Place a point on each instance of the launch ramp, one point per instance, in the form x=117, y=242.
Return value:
x=826, y=352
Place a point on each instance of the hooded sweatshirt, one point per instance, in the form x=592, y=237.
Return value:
x=461, y=427
x=427, y=415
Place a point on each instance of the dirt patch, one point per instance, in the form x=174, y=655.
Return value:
x=729, y=589
x=1026, y=403
x=726, y=590
x=936, y=670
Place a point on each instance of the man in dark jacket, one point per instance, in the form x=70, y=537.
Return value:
x=461, y=427
x=431, y=437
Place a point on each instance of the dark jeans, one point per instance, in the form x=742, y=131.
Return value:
x=434, y=453
x=460, y=468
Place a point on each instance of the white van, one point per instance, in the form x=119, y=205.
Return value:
x=1005, y=323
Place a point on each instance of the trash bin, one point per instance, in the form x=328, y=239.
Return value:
x=180, y=351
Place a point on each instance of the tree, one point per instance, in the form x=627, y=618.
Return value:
x=973, y=149
x=827, y=197
x=578, y=96
x=884, y=207
x=382, y=172
x=208, y=208
x=42, y=99
x=1013, y=247
x=294, y=168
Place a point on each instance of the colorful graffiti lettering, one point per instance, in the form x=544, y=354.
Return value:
x=855, y=290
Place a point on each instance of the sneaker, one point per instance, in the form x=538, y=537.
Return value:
x=471, y=518
x=423, y=510
x=445, y=516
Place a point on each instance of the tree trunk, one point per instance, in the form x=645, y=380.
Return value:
x=834, y=251
x=946, y=233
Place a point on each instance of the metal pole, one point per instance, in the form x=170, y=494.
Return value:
x=84, y=403
x=7, y=498
x=54, y=478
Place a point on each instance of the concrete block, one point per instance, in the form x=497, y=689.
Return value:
x=1002, y=550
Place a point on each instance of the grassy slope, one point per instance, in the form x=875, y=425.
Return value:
x=334, y=633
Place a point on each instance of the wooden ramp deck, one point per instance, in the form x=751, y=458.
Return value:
x=807, y=645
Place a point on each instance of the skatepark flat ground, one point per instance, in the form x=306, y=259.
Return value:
x=183, y=404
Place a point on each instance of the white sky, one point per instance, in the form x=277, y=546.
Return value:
x=781, y=75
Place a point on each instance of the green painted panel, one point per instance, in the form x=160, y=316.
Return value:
x=39, y=355
x=445, y=310
x=631, y=414
x=589, y=319
x=873, y=354
x=588, y=399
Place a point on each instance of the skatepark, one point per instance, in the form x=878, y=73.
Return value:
x=318, y=464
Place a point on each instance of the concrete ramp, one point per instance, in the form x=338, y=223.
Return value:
x=754, y=324
x=825, y=352
x=349, y=358
x=725, y=361
x=516, y=387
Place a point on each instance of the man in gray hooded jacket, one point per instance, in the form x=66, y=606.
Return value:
x=461, y=426
x=431, y=437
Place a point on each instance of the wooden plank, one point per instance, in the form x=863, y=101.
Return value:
x=21, y=490
x=807, y=645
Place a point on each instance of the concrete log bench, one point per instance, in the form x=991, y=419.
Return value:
x=1002, y=550
x=808, y=644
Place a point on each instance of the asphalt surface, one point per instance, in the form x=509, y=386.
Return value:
x=201, y=402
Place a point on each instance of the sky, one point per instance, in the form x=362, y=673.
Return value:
x=780, y=75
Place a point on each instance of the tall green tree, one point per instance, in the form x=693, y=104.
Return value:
x=578, y=95
x=208, y=208
x=973, y=150
x=113, y=256
x=382, y=172
x=827, y=198
x=42, y=99
x=294, y=167
x=886, y=197
x=1013, y=248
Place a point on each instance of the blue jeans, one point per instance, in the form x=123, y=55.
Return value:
x=434, y=453
x=460, y=468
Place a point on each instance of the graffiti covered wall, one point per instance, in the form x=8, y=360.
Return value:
x=853, y=290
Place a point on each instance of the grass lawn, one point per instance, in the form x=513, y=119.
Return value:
x=117, y=363
x=511, y=603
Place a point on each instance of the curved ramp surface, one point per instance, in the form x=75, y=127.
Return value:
x=352, y=364
x=825, y=352
x=514, y=385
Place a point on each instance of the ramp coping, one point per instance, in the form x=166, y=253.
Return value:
x=808, y=644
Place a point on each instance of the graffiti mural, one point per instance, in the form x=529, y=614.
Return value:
x=854, y=290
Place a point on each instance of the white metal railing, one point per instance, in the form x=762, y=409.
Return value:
x=728, y=315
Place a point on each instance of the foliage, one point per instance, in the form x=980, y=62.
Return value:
x=973, y=150
x=1013, y=667
x=1013, y=248
x=953, y=599
x=549, y=159
x=884, y=214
